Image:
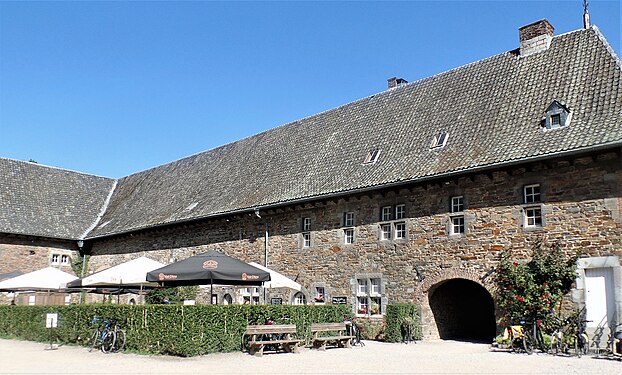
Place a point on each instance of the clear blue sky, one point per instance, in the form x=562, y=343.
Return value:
x=113, y=88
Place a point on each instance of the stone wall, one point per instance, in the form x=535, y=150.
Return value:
x=581, y=211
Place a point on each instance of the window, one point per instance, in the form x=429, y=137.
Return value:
x=439, y=140
x=306, y=232
x=400, y=231
x=300, y=299
x=64, y=259
x=249, y=296
x=400, y=212
x=457, y=204
x=369, y=295
x=389, y=227
x=348, y=231
x=456, y=222
x=348, y=219
x=533, y=217
x=319, y=294
x=385, y=233
x=556, y=121
x=457, y=225
x=372, y=157
x=532, y=207
x=532, y=194
x=306, y=239
x=306, y=224
x=55, y=259
x=386, y=213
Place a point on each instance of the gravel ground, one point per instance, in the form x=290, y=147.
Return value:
x=432, y=357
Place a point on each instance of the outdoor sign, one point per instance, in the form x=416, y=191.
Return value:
x=51, y=320
x=276, y=301
x=340, y=300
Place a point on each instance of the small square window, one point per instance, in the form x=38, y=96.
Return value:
x=457, y=225
x=372, y=157
x=64, y=259
x=439, y=140
x=386, y=213
x=532, y=194
x=457, y=204
x=376, y=304
x=348, y=236
x=348, y=220
x=400, y=231
x=385, y=230
x=375, y=286
x=361, y=308
x=556, y=121
x=533, y=217
x=400, y=211
x=306, y=239
x=306, y=224
x=55, y=259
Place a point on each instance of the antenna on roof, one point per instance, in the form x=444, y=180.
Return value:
x=586, y=15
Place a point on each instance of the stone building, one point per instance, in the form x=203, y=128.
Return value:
x=407, y=195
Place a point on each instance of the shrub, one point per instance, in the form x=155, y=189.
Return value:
x=534, y=288
x=165, y=329
x=397, y=317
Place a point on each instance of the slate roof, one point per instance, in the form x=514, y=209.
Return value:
x=49, y=202
x=492, y=110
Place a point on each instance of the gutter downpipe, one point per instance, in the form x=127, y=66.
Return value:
x=81, y=251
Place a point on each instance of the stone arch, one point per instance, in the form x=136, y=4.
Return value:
x=457, y=303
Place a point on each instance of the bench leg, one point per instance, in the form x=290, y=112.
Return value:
x=255, y=352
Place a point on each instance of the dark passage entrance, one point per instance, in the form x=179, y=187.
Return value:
x=463, y=311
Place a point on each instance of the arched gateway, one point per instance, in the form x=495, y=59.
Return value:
x=456, y=305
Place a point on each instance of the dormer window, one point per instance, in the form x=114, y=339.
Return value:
x=439, y=140
x=372, y=157
x=557, y=116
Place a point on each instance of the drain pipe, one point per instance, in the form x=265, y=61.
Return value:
x=81, y=252
x=265, y=250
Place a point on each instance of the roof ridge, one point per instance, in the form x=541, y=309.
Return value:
x=608, y=47
x=102, y=211
x=53, y=167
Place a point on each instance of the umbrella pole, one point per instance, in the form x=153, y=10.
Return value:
x=211, y=291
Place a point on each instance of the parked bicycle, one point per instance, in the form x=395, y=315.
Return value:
x=107, y=336
x=581, y=341
x=354, y=330
x=532, y=336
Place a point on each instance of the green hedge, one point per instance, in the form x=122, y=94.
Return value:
x=396, y=316
x=165, y=329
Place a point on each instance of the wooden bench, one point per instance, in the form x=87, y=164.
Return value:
x=337, y=335
x=277, y=335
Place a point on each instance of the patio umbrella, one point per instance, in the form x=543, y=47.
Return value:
x=277, y=280
x=211, y=268
x=46, y=279
x=125, y=276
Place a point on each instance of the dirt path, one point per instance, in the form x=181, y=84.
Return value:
x=435, y=357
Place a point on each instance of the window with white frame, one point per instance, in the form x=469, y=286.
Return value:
x=368, y=296
x=299, y=299
x=391, y=226
x=249, y=296
x=456, y=225
x=532, y=206
x=348, y=230
x=55, y=259
x=64, y=259
x=306, y=232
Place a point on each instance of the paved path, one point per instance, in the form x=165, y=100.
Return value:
x=435, y=357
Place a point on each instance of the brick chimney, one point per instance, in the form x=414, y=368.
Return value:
x=394, y=82
x=535, y=37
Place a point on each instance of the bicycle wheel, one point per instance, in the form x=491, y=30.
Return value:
x=527, y=343
x=108, y=341
x=119, y=343
x=93, y=340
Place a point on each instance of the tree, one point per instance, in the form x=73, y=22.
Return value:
x=533, y=289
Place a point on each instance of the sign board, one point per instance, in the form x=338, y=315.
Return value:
x=276, y=301
x=340, y=300
x=51, y=320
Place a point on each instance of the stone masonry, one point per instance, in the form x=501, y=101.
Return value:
x=581, y=208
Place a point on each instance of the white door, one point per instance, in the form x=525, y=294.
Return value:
x=599, y=301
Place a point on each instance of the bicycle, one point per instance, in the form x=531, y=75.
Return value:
x=580, y=339
x=103, y=336
x=558, y=337
x=120, y=337
x=532, y=336
x=354, y=330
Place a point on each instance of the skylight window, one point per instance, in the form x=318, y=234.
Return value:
x=372, y=157
x=557, y=115
x=439, y=140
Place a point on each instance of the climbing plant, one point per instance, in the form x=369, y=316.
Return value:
x=533, y=289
